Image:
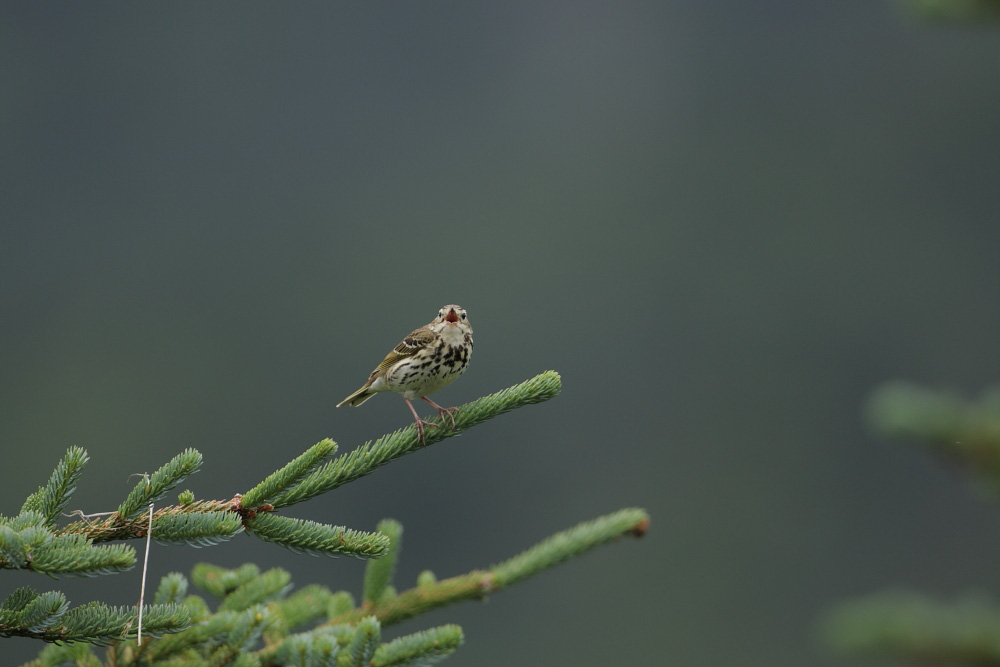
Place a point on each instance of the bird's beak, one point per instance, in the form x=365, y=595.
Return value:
x=452, y=316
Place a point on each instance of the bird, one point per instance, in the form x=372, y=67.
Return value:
x=428, y=359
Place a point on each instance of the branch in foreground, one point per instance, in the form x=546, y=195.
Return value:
x=478, y=584
x=48, y=616
x=255, y=606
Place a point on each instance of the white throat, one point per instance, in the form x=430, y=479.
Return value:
x=453, y=334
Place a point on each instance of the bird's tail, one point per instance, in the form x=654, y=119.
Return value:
x=358, y=397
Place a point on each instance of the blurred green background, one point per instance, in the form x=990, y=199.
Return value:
x=722, y=223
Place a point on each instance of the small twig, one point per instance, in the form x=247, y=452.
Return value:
x=86, y=517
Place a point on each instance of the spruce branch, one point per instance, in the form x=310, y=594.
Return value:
x=221, y=638
x=219, y=581
x=172, y=589
x=255, y=605
x=317, y=648
x=100, y=624
x=478, y=584
x=242, y=660
x=956, y=10
x=47, y=616
x=50, y=500
x=304, y=605
x=27, y=543
x=71, y=554
x=341, y=603
x=303, y=478
x=378, y=572
x=431, y=593
x=361, y=649
x=353, y=644
x=570, y=543
x=58, y=655
x=267, y=586
x=206, y=629
x=372, y=455
x=42, y=612
x=113, y=527
x=317, y=539
x=912, y=627
x=421, y=648
x=909, y=626
x=248, y=627
x=290, y=474
x=199, y=529
x=947, y=423
x=159, y=483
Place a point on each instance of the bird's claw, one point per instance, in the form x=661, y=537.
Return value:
x=420, y=430
x=443, y=412
x=421, y=423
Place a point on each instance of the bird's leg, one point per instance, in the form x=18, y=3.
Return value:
x=420, y=422
x=442, y=411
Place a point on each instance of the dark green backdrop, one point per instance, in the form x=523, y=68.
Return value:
x=723, y=223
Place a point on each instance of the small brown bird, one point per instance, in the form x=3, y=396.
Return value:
x=428, y=359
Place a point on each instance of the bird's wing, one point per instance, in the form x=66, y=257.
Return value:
x=417, y=340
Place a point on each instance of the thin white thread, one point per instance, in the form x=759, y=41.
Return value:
x=145, y=566
x=145, y=563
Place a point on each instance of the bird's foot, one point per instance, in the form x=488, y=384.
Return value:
x=420, y=429
x=442, y=412
x=419, y=422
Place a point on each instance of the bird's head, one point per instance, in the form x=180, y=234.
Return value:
x=452, y=316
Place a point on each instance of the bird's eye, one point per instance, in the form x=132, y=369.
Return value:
x=464, y=316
